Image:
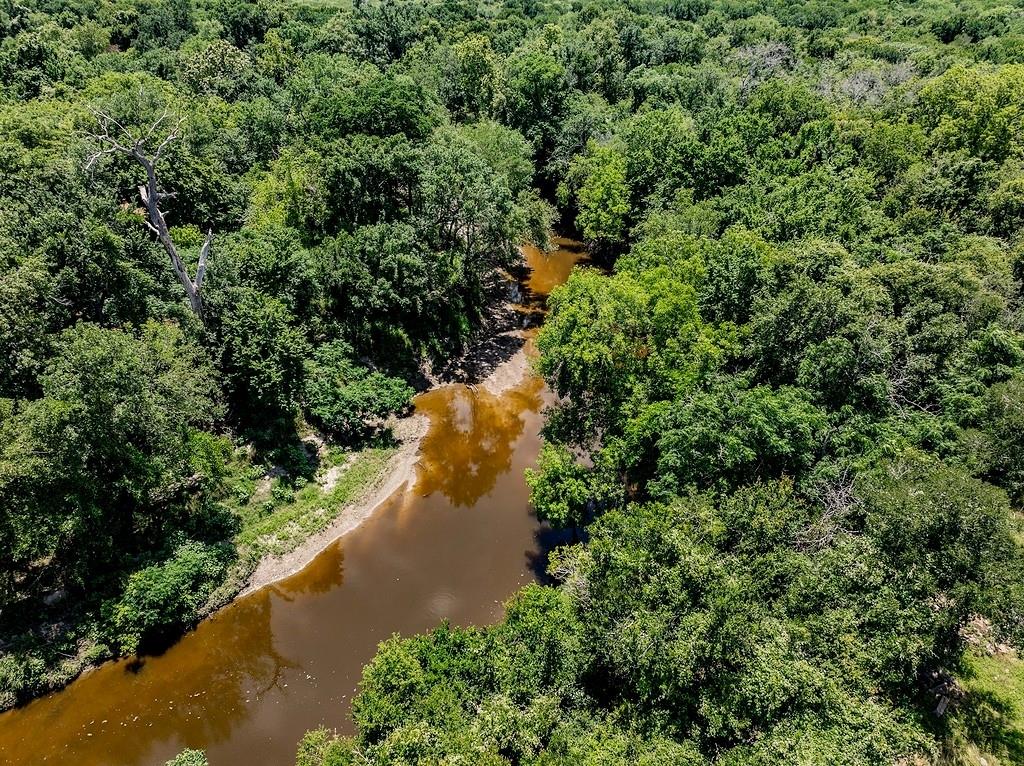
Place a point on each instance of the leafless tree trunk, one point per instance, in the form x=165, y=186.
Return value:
x=115, y=138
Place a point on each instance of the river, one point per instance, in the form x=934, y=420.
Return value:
x=248, y=682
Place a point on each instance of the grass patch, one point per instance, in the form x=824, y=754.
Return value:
x=294, y=513
x=987, y=724
x=276, y=513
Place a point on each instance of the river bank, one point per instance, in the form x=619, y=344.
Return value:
x=456, y=543
x=285, y=520
x=496, y=362
x=399, y=475
x=277, y=518
x=399, y=471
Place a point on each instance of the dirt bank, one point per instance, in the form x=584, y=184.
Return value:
x=510, y=373
x=399, y=475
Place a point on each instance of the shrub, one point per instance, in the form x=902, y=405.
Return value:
x=346, y=398
x=167, y=596
x=189, y=757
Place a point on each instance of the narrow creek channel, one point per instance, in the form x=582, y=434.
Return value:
x=248, y=682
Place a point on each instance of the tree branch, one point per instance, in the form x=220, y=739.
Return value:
x=124, y=142
x=203, y=253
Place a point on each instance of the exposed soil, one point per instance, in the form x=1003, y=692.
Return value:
x=401, y=470
x=496, y=361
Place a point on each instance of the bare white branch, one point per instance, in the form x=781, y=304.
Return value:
x=203, y=253
x=114, y=138
x=172, y=135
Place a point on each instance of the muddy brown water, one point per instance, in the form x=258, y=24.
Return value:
x=248, y=682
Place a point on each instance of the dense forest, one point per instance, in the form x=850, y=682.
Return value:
x=790, y=435
x=221, y=224
x=792, y=418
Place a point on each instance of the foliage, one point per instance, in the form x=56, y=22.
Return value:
x=789, y=409
x=354, y=204
x=165, y=596
x=709, y=621
x=97, y=467
x=344, y=397
x=603, y=194
x=263, y=353
x=559, y=489
x=189, y=758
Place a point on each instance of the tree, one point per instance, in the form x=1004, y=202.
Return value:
x=1004, y=421
x=263, y=353
x=163, y=23
x=472, y=87
x=466, y=209
x=218, y=68
x=164, y=597
x=245, y=22
x=625, y=340
x=24, y=290
x=348, y=399
x=384, y=31
x=730, y=436
x=503, y=149
x=382, y=284
x=598, y=182
x=664, y=155
x=534, y=85
x=146, y=148
x=559, y=490
x=977, y=109
x=101, y=466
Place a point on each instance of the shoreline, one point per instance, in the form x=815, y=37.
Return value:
x=483, y=365
x=398, y=477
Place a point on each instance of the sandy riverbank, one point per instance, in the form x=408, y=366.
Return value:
x=512, y=371
x=398, y=476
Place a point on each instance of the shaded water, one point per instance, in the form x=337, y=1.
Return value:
x=247, y=683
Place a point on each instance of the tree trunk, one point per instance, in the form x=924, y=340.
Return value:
x=151, y=195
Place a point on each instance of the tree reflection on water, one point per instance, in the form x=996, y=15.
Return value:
x=471, y=438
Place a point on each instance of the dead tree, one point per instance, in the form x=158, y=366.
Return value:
x=115, y=138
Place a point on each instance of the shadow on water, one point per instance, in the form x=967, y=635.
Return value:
x=547, y=539
x=483, y=358
x=198, y=691
x=330, y=574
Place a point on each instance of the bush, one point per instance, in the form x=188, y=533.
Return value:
x=189, y=757
x=167, y=596
x=345, y=398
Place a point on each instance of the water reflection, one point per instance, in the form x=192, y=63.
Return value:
x=471, y=438
x=324, y=572
x=219, y=668
x=549, y=270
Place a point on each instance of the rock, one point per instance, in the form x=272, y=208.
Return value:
x=55, y=597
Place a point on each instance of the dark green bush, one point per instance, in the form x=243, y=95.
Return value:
x=346, y=398
x=165, y=597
